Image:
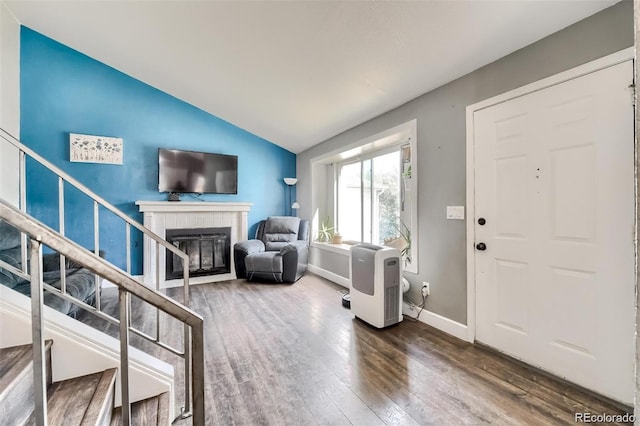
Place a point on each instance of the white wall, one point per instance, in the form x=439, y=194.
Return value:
x=79, y=349
x=9, y=101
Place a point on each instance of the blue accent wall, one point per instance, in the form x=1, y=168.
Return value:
x=63, y=91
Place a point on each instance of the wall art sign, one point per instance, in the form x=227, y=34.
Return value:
x=95, y=149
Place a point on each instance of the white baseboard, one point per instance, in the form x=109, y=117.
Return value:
x=338, y=279
x=438, y=321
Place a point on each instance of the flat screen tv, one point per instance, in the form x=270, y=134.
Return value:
x=197, y=172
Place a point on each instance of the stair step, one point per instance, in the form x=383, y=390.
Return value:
x=149, y=412
x=100, y=409
x=85, y=400
x=16, y=382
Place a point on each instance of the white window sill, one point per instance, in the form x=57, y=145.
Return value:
x=342, y=249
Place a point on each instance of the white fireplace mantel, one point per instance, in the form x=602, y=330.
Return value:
x=191, y=206
x=162, y=215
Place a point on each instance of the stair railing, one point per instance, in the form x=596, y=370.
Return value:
x=23, y=152
x=39, y=235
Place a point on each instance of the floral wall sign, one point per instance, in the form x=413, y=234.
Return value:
x=95, y=149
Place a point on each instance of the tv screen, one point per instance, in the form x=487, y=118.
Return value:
x=197, y=172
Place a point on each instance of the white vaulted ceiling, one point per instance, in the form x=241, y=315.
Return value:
x=297, y=73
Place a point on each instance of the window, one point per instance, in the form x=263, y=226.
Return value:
x=366, y=191
x=369, y=198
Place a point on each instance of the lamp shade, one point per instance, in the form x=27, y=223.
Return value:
x=290, y=181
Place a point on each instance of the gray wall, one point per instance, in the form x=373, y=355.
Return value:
x=441, y=144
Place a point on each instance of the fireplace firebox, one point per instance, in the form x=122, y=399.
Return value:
x=209, y=251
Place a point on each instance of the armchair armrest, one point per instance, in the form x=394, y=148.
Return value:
x=293, y=246
x=295, y=257
x=242, y=250
x=249, y=247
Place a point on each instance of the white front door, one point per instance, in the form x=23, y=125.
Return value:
x=554, y=183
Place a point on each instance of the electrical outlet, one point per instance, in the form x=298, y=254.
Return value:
x=426, y=289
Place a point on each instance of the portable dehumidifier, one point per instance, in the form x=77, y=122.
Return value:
x=376, y=290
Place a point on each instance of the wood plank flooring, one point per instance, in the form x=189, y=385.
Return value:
x=291, y=355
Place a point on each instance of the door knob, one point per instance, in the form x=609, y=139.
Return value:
x=482, y=221
x=481, y=246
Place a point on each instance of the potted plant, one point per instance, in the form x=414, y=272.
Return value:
x=325, y=233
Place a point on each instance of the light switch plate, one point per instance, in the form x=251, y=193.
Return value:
x=455, y=212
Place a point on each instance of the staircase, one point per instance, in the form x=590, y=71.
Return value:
x=86, y=400
x=27, y=395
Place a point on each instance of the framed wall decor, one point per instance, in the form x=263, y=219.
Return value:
x=95, y=149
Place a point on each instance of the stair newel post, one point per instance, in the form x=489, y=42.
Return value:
x=37, y=335
x=197, y=331
x=187, y=410
x=188, y=369
x=123, y=300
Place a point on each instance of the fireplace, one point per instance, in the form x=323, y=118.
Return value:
x=160, y=216
x=209, y=251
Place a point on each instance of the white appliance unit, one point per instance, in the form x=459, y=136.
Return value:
x=376, y=290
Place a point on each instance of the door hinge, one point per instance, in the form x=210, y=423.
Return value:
x=632, y=86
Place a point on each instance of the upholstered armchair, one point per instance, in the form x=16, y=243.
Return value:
x=280, y=251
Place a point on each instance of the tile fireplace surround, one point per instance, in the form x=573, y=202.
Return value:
x=162, y=215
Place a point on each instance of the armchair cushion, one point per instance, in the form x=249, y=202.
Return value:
x=269, y=262
x=279, y=230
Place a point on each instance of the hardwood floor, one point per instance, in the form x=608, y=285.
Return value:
x=291, y=354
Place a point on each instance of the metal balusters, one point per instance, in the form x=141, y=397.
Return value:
x=185, y=281
x=123, y=300
x=188, y=367
x=96, y=250
x=22, y=170
x=187, y=411
x=157, y=289
x=128, y=243
x=63, y=263
x=197, y=344
x=37, y=324
x=128, y=255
